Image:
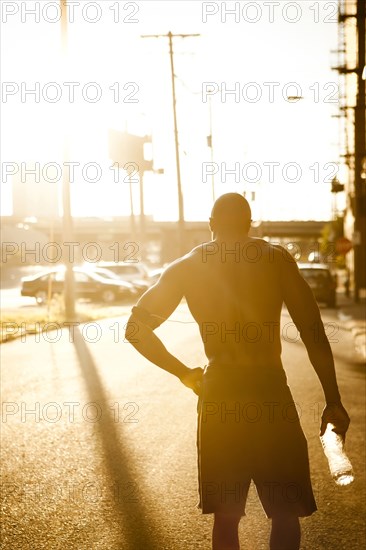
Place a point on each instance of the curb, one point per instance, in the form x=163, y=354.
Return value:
x=358, y=331
x=360, y=344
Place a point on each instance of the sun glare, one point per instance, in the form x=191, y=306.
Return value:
x=271, y=150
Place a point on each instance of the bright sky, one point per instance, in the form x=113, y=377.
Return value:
x=285, y=152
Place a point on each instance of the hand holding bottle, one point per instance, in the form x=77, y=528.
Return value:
x=335, y=414
x=339, y=464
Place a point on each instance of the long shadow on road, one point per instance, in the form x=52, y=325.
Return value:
x=137, y=528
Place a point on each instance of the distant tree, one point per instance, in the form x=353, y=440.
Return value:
x=330, y=233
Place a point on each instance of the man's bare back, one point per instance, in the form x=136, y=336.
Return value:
x=236, y=303
x=235, y=287
x=235, y=291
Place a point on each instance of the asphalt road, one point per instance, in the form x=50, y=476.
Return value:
x=99, y=445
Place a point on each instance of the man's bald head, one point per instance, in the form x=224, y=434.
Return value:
x=231, y=214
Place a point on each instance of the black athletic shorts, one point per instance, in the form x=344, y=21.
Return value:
x=249, y=429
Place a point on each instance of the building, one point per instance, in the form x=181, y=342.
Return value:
x=351, y=68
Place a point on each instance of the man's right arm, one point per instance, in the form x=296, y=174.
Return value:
x=305, y=313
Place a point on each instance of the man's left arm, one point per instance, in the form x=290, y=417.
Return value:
x=153, y=308
x=305, y=313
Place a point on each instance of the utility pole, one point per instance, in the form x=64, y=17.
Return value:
x=360, y=157
x=132, y=213
x=142, y=216
x=210, y=144
x=69, y=289
x=181, y=228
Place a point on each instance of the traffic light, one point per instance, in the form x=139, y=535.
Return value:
x=336, y=186
x=127, y=148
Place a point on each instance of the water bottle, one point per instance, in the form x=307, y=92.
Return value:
x=339, y=464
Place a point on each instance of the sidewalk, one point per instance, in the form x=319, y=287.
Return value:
x=352, y=317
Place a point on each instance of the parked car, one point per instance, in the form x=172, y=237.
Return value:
x=321, y=282
x=128, y=271
x=140, y=285
x=136, y=273
x=87, y=285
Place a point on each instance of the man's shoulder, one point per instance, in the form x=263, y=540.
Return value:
x=277, y=251
x=186, y=261
x=179, y=265
x=199, y=254
x=274, y=251
x=283, y=254
x=183, y=265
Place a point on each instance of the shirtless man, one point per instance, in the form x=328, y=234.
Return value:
x=248, y=427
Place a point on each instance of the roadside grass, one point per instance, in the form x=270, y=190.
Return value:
x=16, y=323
